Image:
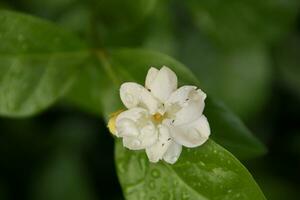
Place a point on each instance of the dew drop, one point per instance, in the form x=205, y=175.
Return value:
x=155, y=173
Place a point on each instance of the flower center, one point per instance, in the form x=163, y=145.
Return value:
x=157, y=117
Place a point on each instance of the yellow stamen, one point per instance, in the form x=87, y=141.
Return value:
x=157, y=117
x=112, y=121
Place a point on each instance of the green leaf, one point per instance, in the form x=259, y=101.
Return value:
x=229, y=131
x=96, y=89
x=207, y=172
x=86, y=92
x=38, y=62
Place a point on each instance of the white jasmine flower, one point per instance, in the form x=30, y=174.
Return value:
x=161, y=118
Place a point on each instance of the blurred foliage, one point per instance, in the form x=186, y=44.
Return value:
x=288, y=62
x=63, y=179
x=222, y=71
x=243, y=52
x=239, y=23
x=61, y=154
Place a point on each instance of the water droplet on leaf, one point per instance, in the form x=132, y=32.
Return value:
x=155, y=173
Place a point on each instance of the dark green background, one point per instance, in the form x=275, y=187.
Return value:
x=246, y=53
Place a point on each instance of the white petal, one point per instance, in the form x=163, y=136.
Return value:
x=136, y=128
x=156, y=151
x=133, y=95
x=127, y=122
x=173, y=153
x=126, y=128
x=186, y=104
x=132, y=143
x=193, y=134
x=135, y=114
x=181, y=94
x=151, y=75
x=164, y=84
